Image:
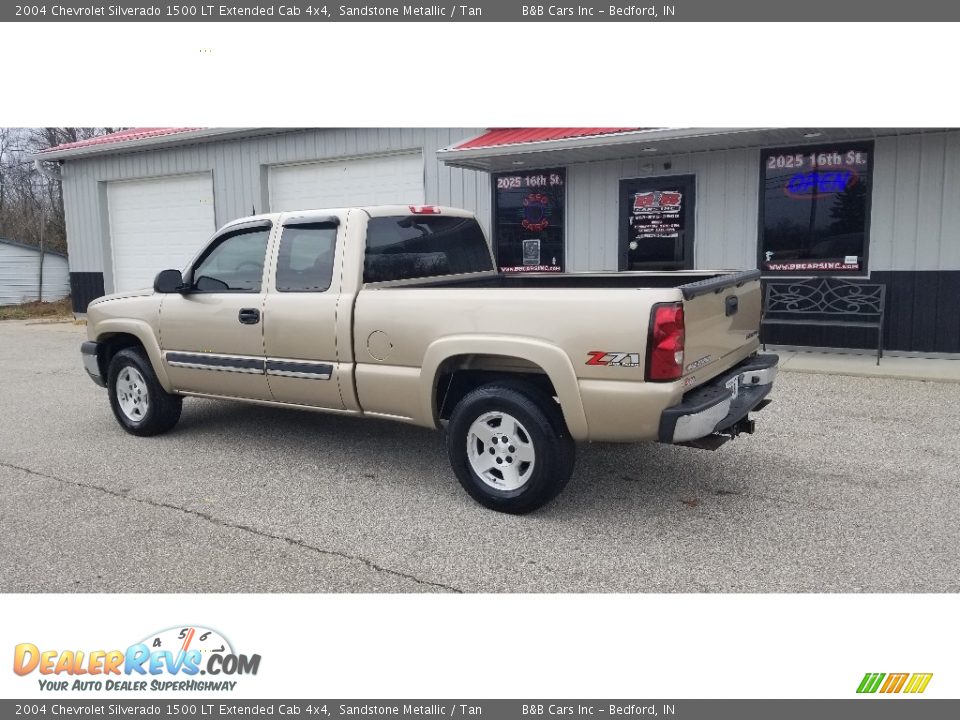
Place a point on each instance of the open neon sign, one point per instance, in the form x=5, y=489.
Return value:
x=819, y=182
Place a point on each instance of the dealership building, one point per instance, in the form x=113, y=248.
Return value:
x=875, y=205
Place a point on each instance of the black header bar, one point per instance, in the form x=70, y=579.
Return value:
x=487, y=11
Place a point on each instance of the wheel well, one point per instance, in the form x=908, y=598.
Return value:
x=461, y=374
x=110, y=345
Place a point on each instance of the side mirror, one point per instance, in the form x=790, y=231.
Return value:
x=168, y=281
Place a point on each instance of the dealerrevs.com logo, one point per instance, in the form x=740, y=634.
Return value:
x=172, y=659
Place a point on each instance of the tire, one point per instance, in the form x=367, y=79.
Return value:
x=509, y=447
x=140, y=404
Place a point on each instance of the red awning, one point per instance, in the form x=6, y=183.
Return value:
x=514, y=136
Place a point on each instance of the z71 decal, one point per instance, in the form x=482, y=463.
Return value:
x=616, y=359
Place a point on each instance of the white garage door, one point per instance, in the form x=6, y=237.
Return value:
x=157, y=224
x=386, y=180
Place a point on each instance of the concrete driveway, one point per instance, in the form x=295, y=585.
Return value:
x=849, y=485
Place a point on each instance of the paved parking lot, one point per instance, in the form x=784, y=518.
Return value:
x=849, y=485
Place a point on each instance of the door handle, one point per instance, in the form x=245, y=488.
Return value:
x=249, y=316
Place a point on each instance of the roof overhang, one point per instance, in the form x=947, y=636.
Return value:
x=192, y=135
x=32, y=248
x=647, y=143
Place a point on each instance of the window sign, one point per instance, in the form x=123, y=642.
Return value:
x=815, y=209
x=656, y=230
x=528, y=220
x=656, y=214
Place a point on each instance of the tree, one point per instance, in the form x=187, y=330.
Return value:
x=31, y=203
x=849, y=210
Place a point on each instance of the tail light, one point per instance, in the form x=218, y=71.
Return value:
x=665, y=345
x=424, y=209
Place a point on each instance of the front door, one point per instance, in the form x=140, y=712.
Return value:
x=212, y=336
x=300, y=340
x=656, y=223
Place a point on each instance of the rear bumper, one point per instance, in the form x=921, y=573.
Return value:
x=89, y=352
x=721, y=405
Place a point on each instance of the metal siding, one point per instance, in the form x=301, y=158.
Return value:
x=20, y=273
x=915, y=212
x=726, y=213
x=711, y=231
x=949, y=251
x=236, y=166
x=881, y=210
x=905, y=203
x=56, y=278
x=929, y=203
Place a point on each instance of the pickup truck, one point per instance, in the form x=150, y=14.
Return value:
x=397, y=312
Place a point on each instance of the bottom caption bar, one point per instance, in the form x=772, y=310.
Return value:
x=873, y=708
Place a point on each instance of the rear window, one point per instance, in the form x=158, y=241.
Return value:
x=416, y=246
x=305, y=262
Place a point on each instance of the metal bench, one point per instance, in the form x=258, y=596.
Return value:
x=826, y=302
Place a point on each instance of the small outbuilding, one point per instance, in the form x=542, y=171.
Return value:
x=27, y=274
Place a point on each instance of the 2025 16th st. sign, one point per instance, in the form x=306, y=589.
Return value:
x=528, y=220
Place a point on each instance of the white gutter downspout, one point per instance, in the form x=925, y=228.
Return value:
x=50, y=175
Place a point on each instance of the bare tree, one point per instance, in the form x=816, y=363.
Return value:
x=31, y=204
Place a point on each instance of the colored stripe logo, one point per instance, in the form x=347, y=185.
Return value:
x=914, y=683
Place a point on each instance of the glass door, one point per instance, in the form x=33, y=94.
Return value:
x=656, y=223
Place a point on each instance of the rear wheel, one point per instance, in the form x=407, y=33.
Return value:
x=509, y=447
x=140, y=404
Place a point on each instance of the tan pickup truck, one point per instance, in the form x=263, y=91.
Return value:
x=397, y=312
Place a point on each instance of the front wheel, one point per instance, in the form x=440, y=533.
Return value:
x=510, y=448
x=140, y=404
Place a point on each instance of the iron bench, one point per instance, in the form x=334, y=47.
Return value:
x=826, y=302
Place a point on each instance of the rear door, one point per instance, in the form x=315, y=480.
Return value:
x=300, y=314
x=722, y=321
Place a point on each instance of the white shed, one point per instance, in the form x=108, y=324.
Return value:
x=20, y=274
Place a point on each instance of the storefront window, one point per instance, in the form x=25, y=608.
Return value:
x=528, y=219
x=815, y=208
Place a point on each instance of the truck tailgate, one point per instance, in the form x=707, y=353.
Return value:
x=722, y=321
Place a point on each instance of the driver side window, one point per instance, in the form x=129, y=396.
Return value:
x=235, y=265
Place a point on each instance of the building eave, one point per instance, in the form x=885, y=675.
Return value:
x=454, y=155
x=32, y=248
x=148, y=143
x=649, y=144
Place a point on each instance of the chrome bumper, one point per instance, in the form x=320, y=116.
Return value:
x=721, y=403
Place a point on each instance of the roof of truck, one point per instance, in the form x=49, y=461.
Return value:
x=372, y=210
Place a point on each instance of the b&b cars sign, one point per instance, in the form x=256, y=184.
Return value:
x=656, y=214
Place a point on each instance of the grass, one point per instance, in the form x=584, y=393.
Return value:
x=31, y=310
